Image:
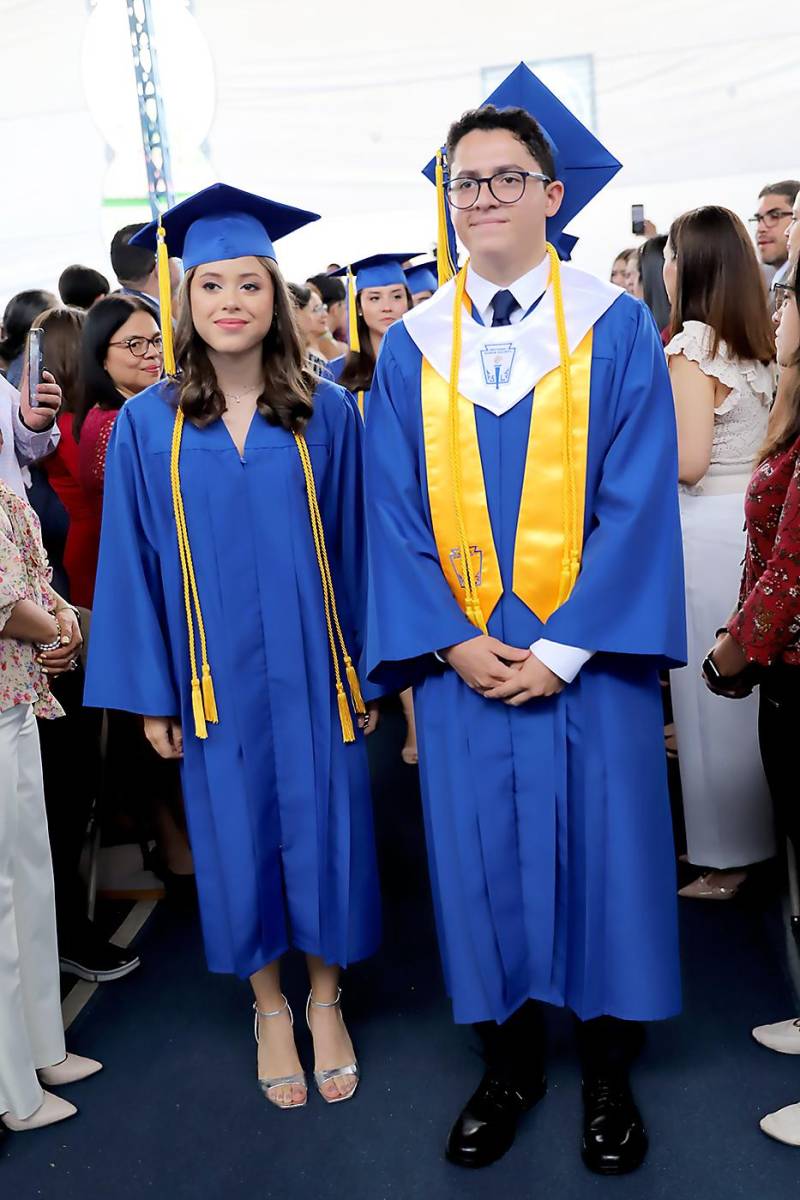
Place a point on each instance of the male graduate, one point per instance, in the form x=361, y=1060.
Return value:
x=527, y=579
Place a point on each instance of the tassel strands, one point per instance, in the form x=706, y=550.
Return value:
x=204, y=704
x=165, y=302
x=352, y=327
x=445, y=266
x=332, y=622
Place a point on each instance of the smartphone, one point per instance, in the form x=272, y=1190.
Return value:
x=34, y=365
x=637, y=219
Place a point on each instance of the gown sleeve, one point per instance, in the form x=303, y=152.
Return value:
x=629, y=597
x=344, y=521
x=412, y=612
x=129, y=664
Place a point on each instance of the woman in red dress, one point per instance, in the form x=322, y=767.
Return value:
x=120, y=357
x=766, y=629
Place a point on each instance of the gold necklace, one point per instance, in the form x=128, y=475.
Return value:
x=236, y=397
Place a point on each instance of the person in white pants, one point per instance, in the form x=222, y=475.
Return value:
x=39, y=636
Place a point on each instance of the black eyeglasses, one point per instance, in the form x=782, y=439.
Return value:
x=507, y=187
x=139, y=346
x=782, y=293
x=769, y=219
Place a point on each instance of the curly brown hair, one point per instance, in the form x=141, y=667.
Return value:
x=288, y=396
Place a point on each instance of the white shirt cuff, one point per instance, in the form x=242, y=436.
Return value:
x=563, y=661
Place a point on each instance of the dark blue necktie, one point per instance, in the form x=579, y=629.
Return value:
x=503, y=306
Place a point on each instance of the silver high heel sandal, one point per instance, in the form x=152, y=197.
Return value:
x=299, y=1079
x=323, y=1077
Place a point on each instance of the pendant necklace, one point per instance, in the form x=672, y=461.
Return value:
x=236, y=397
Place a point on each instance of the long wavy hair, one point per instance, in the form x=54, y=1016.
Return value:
x=288, y=396
x=719, y=282
x=359, y=366
x=784, y=420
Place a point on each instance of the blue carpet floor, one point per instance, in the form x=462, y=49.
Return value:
x=176, y=1113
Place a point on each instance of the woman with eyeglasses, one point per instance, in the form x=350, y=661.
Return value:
x=721, y=364
x=120, y=357
x=311, y=318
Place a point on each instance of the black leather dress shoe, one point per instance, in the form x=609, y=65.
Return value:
x=614, y=1138
x=485, y=1129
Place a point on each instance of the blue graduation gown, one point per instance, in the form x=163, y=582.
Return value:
x=548, y=825
x=278, y=807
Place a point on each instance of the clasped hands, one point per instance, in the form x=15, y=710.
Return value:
x=57, y=662
x=502, y=672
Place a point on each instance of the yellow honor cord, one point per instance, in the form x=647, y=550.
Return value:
x=572, y=538
x=204, y=705
x=332, y=622
x=445, y=267
x=472, y=605
x=352, y=313
x=165, y=302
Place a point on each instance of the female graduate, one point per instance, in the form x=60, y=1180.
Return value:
x=378, y=295
x=228, y=613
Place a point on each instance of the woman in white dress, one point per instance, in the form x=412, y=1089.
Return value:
x=722, y=370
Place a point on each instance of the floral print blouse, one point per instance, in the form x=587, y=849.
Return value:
x=767, y=624
x=24, y=575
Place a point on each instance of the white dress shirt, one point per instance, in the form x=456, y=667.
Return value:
x=20, y=446
x=563, y=661
x=526, y=290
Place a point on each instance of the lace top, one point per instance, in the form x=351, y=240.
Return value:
x=24, y=575
x=740, y=422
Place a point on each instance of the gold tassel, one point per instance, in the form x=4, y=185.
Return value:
x=165, y=302
x=352, y=313
x=346, y=721
x=209, y=699
x=355, y=688
x=445, y=266
x=197, y=710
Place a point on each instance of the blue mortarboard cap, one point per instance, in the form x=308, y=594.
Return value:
x=422, y=277
x=379, y=270
x=583, y=164
x=223, y=222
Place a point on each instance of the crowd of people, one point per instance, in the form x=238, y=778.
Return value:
x=230, y=531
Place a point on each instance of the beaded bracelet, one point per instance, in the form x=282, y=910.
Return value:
x=46, y=647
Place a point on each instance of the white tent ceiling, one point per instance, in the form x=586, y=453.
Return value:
x=336, y=107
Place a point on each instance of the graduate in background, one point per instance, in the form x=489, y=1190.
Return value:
x=526, y=577
x=378, y=295
x=229, y=610
x=422, y=281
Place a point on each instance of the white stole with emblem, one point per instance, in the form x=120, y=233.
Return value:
x=500, y=366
